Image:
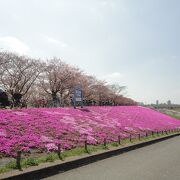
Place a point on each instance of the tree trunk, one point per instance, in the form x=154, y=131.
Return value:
x=54, y=99
x=16, y=98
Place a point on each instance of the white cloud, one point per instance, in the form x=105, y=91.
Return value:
x=104, y=3
x=55, y=41
x=13, y=44
x=108, y=3
x=115, y=77
x=173, y=57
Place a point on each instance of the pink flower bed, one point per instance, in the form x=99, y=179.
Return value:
x=45, y=128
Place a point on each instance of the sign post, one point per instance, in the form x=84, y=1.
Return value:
x=78, y=96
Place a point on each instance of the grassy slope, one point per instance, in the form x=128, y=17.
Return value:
x=175, y=113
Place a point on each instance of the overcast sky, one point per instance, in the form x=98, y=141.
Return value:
x=135, y=43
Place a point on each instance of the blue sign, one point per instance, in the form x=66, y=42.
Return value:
x=78, y=96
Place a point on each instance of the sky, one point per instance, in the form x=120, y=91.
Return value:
x=135, y=43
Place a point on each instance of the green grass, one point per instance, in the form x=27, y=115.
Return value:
x=8, y=167
x=27, y=162
x=175, y=116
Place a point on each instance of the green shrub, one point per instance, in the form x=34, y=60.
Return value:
x=50, y=158
x=115, y=144
x=30, y=162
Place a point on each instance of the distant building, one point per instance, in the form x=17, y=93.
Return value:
x=157, y=102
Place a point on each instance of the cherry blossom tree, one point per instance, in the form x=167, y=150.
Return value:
x=18, y=75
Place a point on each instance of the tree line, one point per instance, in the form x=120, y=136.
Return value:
x=50, y=83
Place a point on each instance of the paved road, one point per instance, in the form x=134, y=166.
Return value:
x=160, y=161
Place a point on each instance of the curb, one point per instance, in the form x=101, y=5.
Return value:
x=59, y=168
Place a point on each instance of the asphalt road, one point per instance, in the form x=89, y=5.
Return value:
x=160, y=161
